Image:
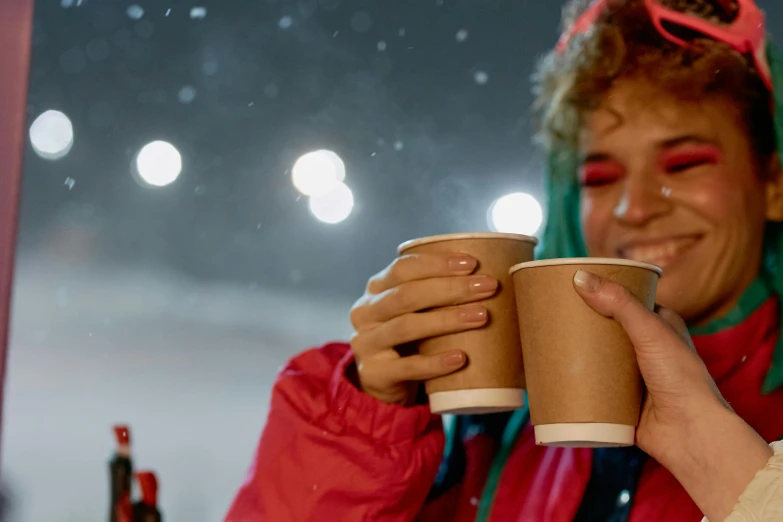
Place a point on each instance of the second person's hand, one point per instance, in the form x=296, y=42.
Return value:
x=685, y=424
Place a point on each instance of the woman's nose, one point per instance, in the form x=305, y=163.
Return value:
x=643, y=198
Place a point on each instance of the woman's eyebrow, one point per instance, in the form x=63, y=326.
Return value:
x=595, y=157
x=685, y=140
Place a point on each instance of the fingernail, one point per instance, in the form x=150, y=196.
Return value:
x=454, y=360
x=482, y=284
x=473, y=314
x=462, y=263
x=586, y=280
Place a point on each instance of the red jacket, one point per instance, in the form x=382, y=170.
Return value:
x=331, y=453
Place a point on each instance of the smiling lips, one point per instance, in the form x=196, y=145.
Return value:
x=662, y=252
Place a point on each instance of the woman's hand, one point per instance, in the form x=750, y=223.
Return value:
x=685, y=423
x=404, y=304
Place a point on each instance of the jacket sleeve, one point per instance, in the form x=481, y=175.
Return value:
x=330, y=452
x=762, y=500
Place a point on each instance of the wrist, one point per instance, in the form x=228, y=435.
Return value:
x=715, y=457
x=691, y=444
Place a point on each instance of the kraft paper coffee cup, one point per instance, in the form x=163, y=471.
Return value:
x=493, y=380
x=583, y=381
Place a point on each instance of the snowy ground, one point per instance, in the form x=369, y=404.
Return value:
x=188, y=366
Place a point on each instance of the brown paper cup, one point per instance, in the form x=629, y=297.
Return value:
x=584, y=386
x=493, y=379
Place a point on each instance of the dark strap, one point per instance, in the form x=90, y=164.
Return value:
x=610, y=490
x=612, y=486
x=514, y=426
x=452, y=467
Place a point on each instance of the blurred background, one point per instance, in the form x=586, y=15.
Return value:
x=208, y=186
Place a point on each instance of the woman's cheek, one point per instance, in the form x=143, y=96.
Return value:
x=716, y=201
x=592, y=224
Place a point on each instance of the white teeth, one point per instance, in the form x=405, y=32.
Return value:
x=658, y=253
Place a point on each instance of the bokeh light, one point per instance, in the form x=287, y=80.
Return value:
x=97, y=49
x=135, y=12
x=317, y=172
x=73, y=61
x=159, y=163
x=517, y=213
x=51, y=135
x=285, y=22
x=187, y=94
x=361, y=22
x=334, y=206
x=271, y=90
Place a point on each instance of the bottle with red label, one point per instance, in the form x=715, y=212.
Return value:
x=120, y=474
x=146, y=510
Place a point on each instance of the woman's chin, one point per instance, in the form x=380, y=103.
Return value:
x=697, y=304
x=680, y=294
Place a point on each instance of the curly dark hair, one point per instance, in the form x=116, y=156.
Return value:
x=625, y=44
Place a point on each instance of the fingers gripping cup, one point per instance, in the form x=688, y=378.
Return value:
x=583, y=381
x=493, y=379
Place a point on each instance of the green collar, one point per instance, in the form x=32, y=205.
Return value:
x=774, y=379
x=756, y=295
x=514, y=427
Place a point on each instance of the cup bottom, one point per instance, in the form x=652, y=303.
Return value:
x=585, y=435
x=477, y=401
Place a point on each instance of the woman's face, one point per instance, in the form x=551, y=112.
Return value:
x=675, y=184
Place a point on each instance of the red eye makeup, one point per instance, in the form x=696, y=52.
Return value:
x=681, y=159
x=595, y=174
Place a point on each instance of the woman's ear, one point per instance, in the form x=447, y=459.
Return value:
x=774, y=176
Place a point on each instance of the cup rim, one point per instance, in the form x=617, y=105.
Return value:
x=407, y=245
x=586, y=261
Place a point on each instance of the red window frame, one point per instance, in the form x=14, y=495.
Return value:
x=16, y=22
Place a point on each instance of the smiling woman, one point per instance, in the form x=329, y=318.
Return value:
x=678, y=145
x=678, y=184
x=656, y=117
